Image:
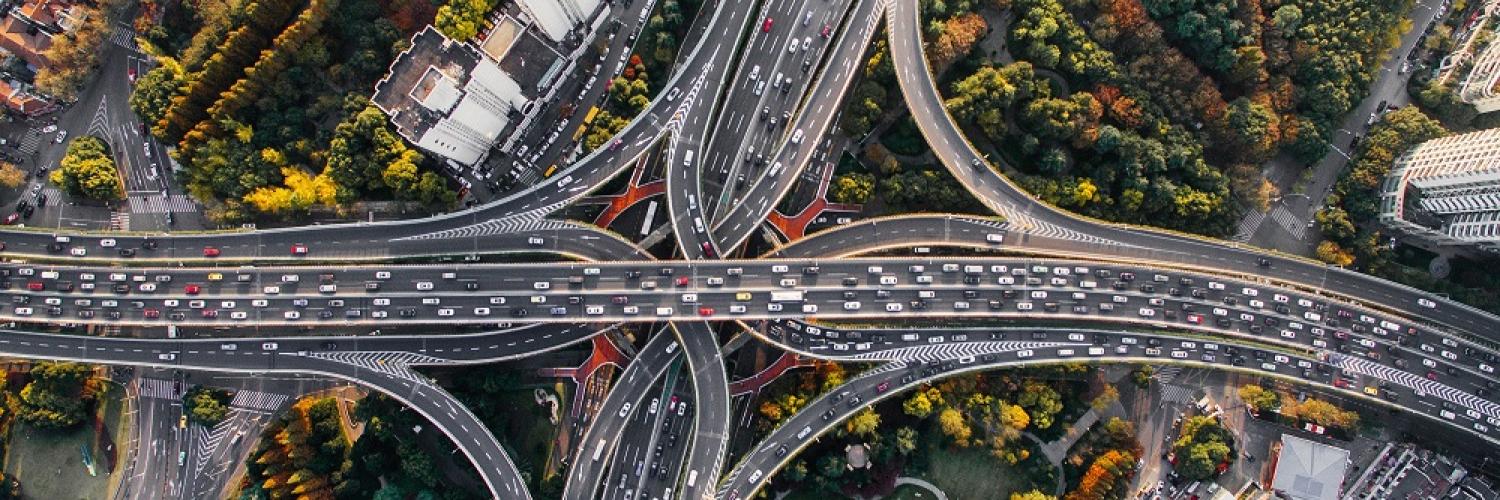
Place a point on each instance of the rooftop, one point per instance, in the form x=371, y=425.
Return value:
x=423, y=82
x=1309, y=470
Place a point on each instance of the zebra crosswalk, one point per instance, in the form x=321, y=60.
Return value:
x=1248, y=225
x=52, y=193
x=393, y=364
x=1177, y=393
x=529, y=221
x=158, y=204
x=951, y=351
x=119, y=221
x=1165, y=374
x=257, y=400
x=123, y=36
x=31, y=141
x=1289, y=222
x=158, y=388
x=1419, y=384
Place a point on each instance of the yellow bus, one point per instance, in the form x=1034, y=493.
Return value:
x=589, y=118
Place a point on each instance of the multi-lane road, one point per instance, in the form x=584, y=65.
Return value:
x=767, y=76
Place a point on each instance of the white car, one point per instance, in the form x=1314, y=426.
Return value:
x=542, y=285
x=1426, y=303
x=107, y=243
x=481, y=311
x=269, y=346
x=1025, y=353
x=79, y=251
x=291, y=315
x=851, y=306
x=534, y=241
x=625, y=409
x=239, y=315
x=424, y=285
x=893, y=307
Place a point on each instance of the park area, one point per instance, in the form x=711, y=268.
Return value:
x=50, y=463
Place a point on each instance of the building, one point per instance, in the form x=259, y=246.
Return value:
x=449, y=98
x=1309, y=470
x=26, y=31
x=1447, y=191
x=19, y=98
x=558, y=18
x=1478, y=85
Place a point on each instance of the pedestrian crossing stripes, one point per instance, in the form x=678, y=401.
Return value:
x=529, y=221
x=392, y=364
x=257, y=400
x=52, y=193
x=1419, y=384
x=1165, y=374
x=1177, y=394
x=1248, y=224
x=30, y=142
x=205, y=441
x=158, y=389
x=949, y=351
x=158, y=204
x=123, y=36
x=1289, y=222
x=119, y=221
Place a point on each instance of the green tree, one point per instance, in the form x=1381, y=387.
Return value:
x=1258, y=398
x=87, y=170
x=854, y=188
x=906, y=440
x=59, y=395
x=73, y=55
x=206, y=405
x=154, y=92
x=1202, y=446
x=982, y=98
x=1041, y=401
x=955, y=426
x=1032, y=495
x=864, y=423
x=461, y=20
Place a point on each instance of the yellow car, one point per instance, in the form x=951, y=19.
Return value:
x=1372, y=390
x=742, y=296
x=215, y=276
x=182, y=422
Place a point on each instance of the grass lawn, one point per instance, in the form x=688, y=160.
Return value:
x=531, y=434
x=971, y=474
x=49, y=464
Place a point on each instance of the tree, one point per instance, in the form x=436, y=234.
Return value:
x=59, y=395
x=1203, y=445
x=955, y=426
x=1032, y=495
x=1319, y=412
x=461, y=20
x=1141, y=376
x=87, y=170
x=73, y=55
x=853, y=188
x=1105, y=398
x=1041, y=402
x=906, y=440
x=1258, y=398
x=1287, y=18
x=206, y=405
x=959, y=35
x=864, y=423
x=918, y=405
x=11, y=176
x=154, y=92
x=1330, y=252
x=982, y=98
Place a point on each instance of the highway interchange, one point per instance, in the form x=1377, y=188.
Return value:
x=1141, y=295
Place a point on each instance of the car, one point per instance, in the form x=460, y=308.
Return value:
x=672, y=94
x=299, y=249
x=705, y=311
x=78, y=251
x=210, y=252
x=625, y=409
x=192, y=289
x=107, y=243
x=765, y=27
x=826, y=32
x=806, y=42
x=61, y=136
x=791, y=47
x=1427, y=303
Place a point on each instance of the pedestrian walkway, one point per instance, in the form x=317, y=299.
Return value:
x=119, y=221
x=795, y=227
x=931, y=488
x=1289, y=222
x=753, y=383
x=52, y=193
x=158, y=204
x=123, y=36
x=603, y=353
x=1165, y=374
x=158, y=388
x=30, y=142
x=1177, y=394
x=257, y=400
x=1248, y=225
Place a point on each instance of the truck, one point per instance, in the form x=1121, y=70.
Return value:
x=787, y=296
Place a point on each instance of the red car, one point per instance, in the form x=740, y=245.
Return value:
x=152, y=314
x=12, y=218
x=682, y=281
x=1431, y=375
x=883, y=386
x=1341, y=383
x=192, y=289
x=210, y=252
x=299, y=249
x=827, y=30
x=35, y=286
x=708, y=249
x=766, y=26
x=705, y=311
x=210, y=313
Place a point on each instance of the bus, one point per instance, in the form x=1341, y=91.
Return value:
x=787, y=296
x=589, y=118
x=692, y=478
x=599, y=450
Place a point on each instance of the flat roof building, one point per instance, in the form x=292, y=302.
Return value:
x=558, y=18
x=449, y=98
x=1309, y=470
x=1447, y=191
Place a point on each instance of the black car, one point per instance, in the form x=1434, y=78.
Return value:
x=408, y=313
x=127, y=252
x=519, y=312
